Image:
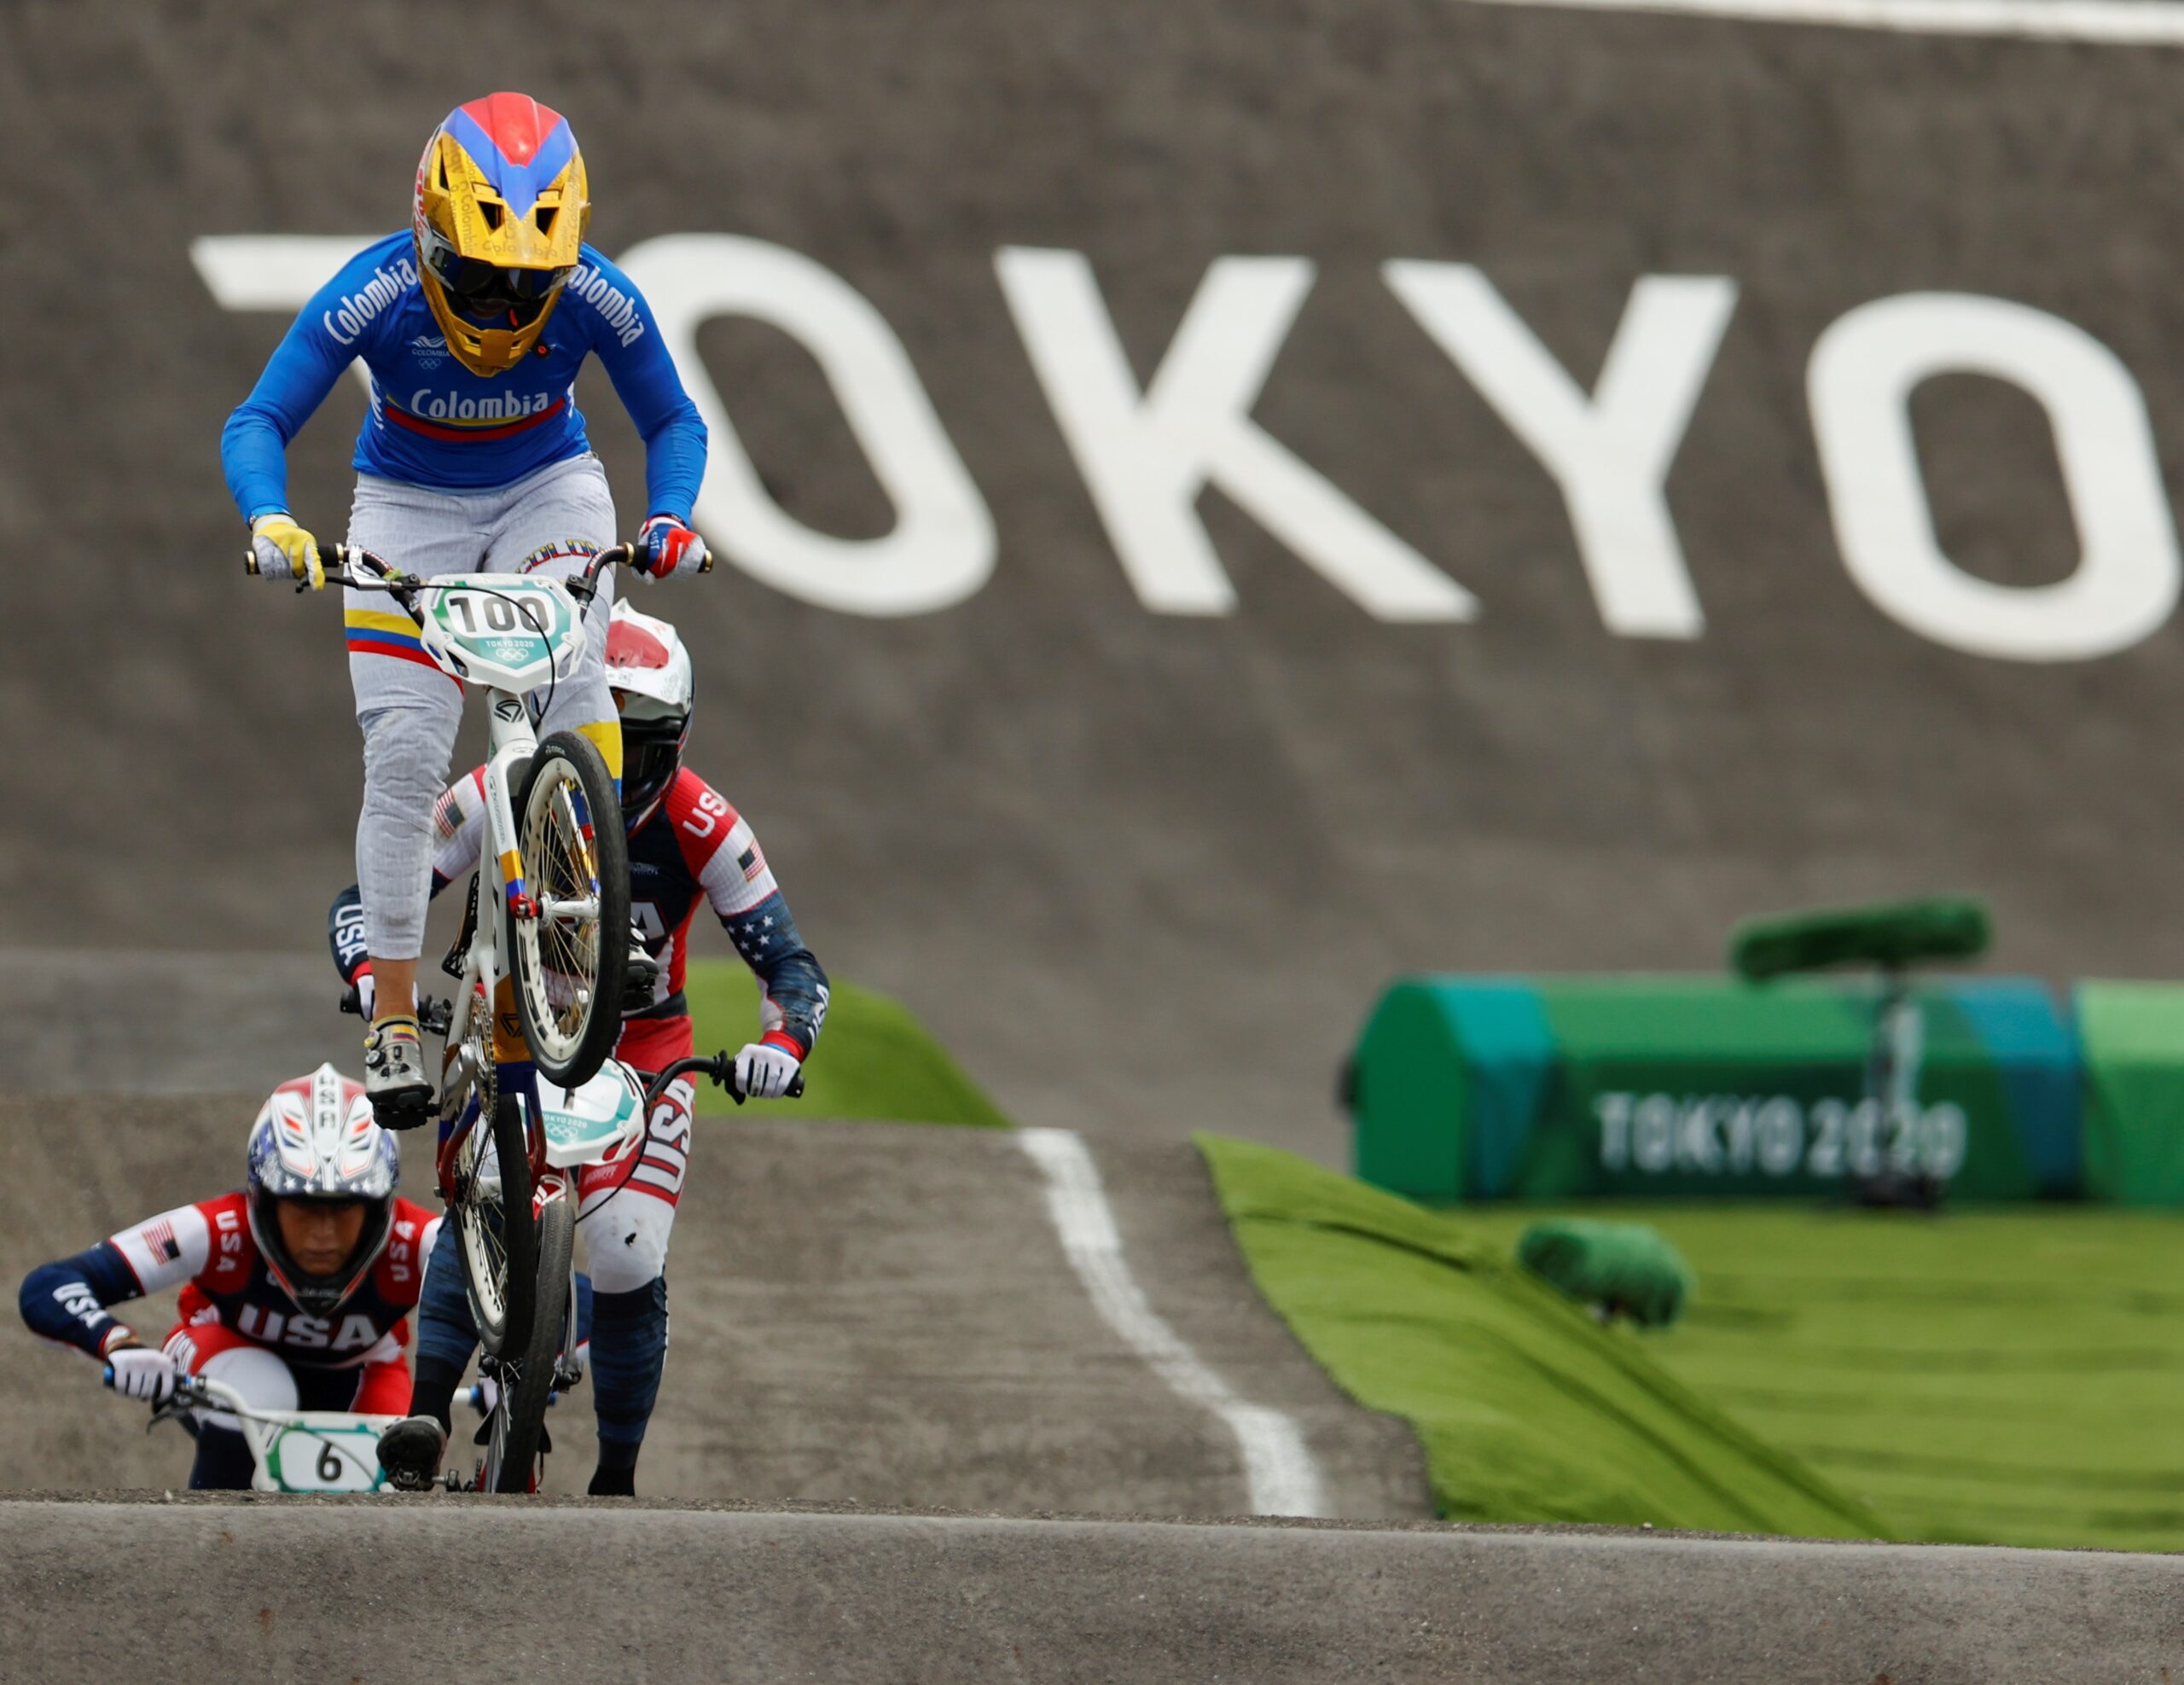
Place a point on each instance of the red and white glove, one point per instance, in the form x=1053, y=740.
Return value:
x=137, y=1371
x=764, y=1070
x=666, y=547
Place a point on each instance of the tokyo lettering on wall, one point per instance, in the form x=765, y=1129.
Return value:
x=1147, y=449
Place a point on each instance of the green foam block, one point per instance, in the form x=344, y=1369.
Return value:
x=1890, y=934
x=1628, y=1268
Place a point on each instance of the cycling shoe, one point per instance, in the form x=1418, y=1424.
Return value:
x=410, y=1450
x=394, y=1075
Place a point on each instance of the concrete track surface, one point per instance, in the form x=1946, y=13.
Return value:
x=439, y=1588
x=871, y=1313
x=873, y=1318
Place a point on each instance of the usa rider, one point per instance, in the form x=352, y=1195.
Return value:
x=296, y=1289
x=472, y=457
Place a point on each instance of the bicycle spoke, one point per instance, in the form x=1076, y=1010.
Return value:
x=568, y=948
x=560, y=855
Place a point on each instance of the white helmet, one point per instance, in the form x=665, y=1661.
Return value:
x=314, y=1139
x=649, y=671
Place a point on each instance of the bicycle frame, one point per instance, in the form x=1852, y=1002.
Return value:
x=501, y=893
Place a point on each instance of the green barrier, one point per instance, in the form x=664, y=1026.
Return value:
x=2132, y=1039
x=1549, y=1088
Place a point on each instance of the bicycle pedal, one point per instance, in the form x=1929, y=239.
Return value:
x=397, y=1111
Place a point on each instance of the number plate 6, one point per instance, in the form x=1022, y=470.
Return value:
x=325, y=1459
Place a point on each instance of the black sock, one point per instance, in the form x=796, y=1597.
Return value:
x=614, y=1483
x=433, y=1393
x=616, y=1477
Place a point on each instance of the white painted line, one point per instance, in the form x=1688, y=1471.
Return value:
x=2126, y=23
x=1278, y=1467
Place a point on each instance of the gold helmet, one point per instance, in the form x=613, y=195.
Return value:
x=501, y=211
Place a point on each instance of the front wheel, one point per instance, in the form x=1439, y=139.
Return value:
x=571, y=959
x=527, y=1381
x=496, y=1229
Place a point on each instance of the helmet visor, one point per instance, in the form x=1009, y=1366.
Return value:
x=487, y=289
x=319, y=1293
x=652, y=750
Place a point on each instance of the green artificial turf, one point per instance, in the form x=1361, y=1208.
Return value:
x=873, y=1059
x=1527, y=1409
x=2004, y=1376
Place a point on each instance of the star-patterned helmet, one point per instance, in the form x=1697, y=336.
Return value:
x=314, y=1139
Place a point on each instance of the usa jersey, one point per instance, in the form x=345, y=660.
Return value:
x=694, y=849
x=431, y=420
x=207, y=1249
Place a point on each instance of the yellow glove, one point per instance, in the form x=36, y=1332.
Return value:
x=285, y=551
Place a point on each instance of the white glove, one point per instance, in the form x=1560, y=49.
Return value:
x=137, y=1371
x=366, y=993
x=764, y=1072
x=643, y=970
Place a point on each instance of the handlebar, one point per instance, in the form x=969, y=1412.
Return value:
x=197, y=1392
x=438, y=1016
x=361, y=570
x=719, y=1069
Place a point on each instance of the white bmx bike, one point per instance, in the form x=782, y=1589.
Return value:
x=544, y=950
x=602, y=1122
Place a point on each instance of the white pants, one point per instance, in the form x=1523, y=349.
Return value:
x=626, y=1208
x=265, y=1382
x=550, y=522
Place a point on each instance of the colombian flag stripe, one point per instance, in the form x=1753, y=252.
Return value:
x=371, y=633
x=387, y=643
x=492, y=430
x=371, y=645
x=376, y=620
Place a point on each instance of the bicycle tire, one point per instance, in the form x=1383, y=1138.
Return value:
x=504, y=1309
x=569, y=1057
x=527, y=1383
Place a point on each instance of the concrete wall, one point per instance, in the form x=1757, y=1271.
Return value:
x=1145, y=867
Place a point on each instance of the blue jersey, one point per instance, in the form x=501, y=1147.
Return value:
x=431, y=422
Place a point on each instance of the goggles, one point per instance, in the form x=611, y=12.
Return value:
x=652, y=751
x=487, y=289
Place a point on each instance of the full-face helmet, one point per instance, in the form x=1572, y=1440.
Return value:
x=315, y=1139
x=649, y=672
x=501, y=207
